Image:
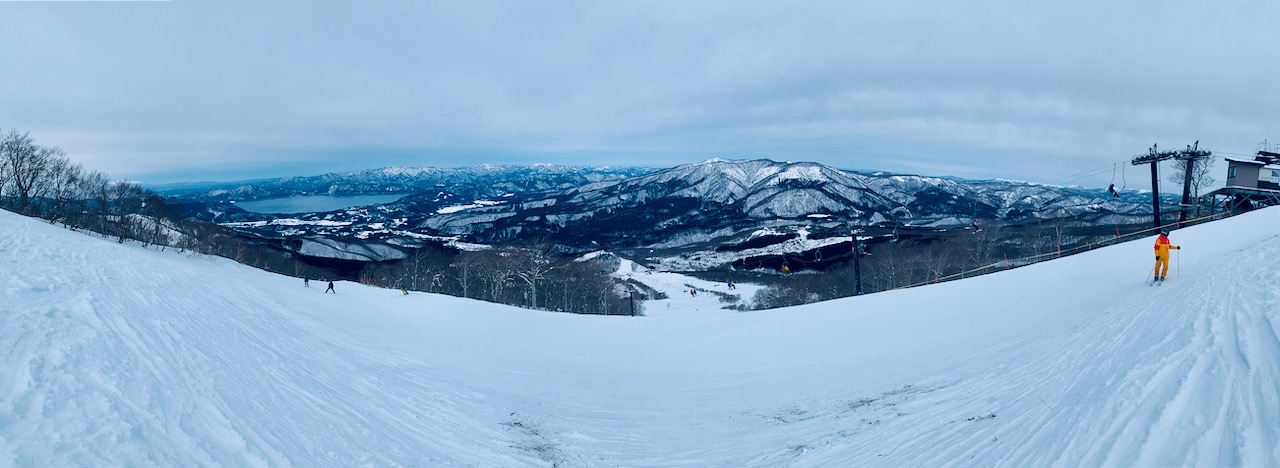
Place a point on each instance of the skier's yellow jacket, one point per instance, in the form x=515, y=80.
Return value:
x=1163, y=246
x=1162, y=256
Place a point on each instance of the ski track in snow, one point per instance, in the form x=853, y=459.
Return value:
x=121, y=356
x=131, y=360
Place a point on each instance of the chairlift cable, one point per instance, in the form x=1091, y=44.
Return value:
x=1078, y=176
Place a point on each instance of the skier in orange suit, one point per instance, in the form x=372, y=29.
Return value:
x=1162, y=254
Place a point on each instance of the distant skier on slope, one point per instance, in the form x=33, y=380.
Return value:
x=1162, y=255
x=330, y=290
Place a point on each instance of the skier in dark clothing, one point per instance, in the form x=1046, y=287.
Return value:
x=330, y=290
x=306, y=281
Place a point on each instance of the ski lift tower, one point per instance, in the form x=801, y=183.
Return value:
x=1192, y=154
x=1153, y=157
x=859, y=249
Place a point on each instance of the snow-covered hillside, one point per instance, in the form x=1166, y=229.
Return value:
x=115, y=355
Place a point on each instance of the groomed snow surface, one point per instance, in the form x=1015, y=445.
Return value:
x=116, y=355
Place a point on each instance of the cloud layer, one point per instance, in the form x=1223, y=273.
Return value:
x=169, y=91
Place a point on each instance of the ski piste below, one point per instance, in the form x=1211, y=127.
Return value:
x=119, y=355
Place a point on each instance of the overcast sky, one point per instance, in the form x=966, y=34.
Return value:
x=1039, y=91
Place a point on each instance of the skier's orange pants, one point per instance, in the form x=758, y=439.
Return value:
x=1162, y=266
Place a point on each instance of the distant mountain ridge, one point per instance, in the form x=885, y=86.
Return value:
x=483, y=180
x=715, y=205
x=718, y=195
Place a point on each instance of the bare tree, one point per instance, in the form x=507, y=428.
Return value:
x=26, y=164
x=155, y=207
x=94, y=190
x=982, y=247
x=532, y=265
x=468, y=267
x=584, y=286
x=8, y=142
x=789, y=293
x=426, y=268
x=126, y=201
x=63, y=175
x=1201, y=174
x=495, y=274
x=884, y=269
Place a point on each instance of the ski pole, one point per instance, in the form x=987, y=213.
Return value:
x=1179, y=263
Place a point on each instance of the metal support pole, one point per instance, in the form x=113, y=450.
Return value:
x=1192, y=154
x=857, y=260
x=1186, y=192
x=1154, y=157
x=857, y=265
x=1155, y=192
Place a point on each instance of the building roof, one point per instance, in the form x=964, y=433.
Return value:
x=1245, y=161
x=1248, y=191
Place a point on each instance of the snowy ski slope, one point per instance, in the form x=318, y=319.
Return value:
x=116, y=355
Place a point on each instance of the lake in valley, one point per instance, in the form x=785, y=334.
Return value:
x=314, y=203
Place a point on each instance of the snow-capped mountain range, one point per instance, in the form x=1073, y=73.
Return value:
x=690, y=207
